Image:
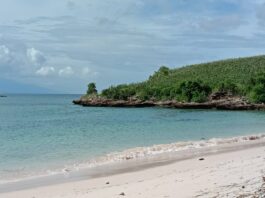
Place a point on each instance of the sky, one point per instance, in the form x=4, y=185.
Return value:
x=59, y=46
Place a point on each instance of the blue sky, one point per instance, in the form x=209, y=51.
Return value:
x=60, y=46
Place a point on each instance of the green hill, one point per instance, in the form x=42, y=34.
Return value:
x=238, y=71
x=241, y=76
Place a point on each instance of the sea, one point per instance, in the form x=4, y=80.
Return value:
x=46, y=134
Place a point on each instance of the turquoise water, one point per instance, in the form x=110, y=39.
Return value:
x=46, y=132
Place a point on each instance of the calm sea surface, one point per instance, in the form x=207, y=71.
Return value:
x=46, y=132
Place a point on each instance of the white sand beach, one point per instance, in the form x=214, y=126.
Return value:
x=236, y=173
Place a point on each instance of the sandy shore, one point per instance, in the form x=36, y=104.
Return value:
x=232, y=173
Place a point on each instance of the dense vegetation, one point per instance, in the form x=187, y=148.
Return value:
x=242, y=76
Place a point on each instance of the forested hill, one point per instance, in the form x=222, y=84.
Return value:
x=194, y=83
x=238, y=71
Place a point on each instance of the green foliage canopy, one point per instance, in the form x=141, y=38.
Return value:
x=91, y=89
x=257, y=90
x=193, y=91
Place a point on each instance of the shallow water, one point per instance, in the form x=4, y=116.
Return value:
x=45, y=133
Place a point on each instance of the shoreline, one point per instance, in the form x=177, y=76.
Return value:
x=223, y=104
x=134, y=166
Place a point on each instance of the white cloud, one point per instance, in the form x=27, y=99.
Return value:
x=67, y=71
x=86, y=71
x=45, y=71
x=4, y=52
x=35, y=56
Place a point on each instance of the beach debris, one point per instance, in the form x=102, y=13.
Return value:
x=253, y=138
x=201, y=159
x=107, y=183
x=128, y=157
x=122, y=194
x=66, y=170
x=243, y=187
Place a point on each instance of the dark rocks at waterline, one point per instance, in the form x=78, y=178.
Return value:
x=113, y=103
x=228, y=104
x=2, y=96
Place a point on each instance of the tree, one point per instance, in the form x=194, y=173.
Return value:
x=164, y=70
x=91, y=89
x=228, y=86
x=193, y=91
x=257, y=93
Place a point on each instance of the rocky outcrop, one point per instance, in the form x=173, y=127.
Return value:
x=232, y=103
x=99, y=102
x=220, y=95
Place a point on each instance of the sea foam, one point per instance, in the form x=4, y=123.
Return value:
x=151, y=151
x=138, y=153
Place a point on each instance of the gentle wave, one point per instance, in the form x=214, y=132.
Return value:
x=144, y=152
x=139, y=153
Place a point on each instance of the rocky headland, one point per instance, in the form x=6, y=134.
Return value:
x=221, y=101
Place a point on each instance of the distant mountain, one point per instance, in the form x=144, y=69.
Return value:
x=8, y=86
